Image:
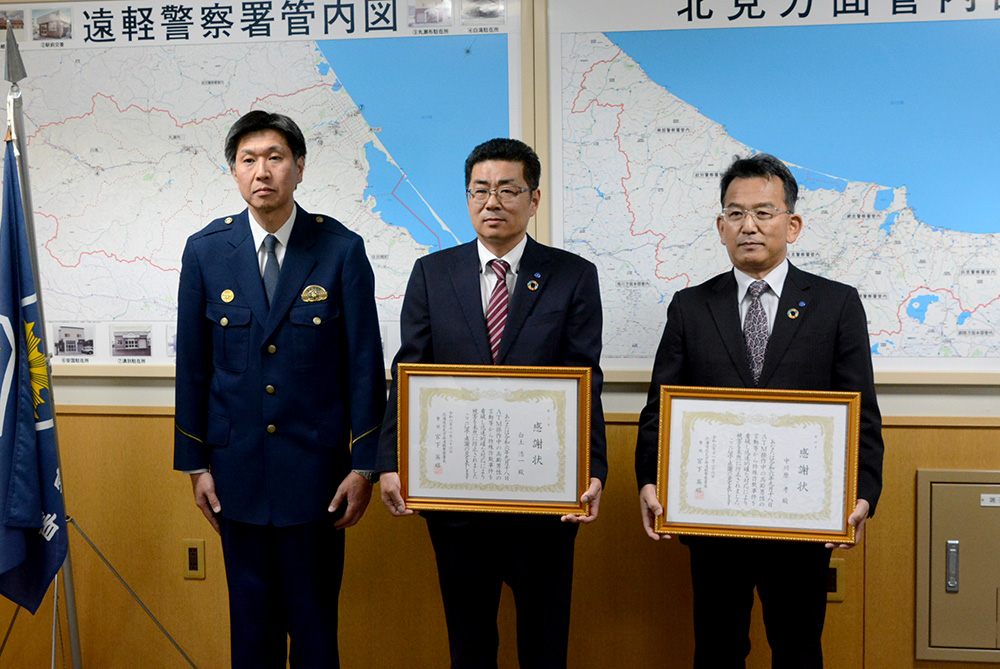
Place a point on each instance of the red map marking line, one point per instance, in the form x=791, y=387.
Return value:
x=628, y=165
x=405, y=206
x=177, y=123
x=927, y=289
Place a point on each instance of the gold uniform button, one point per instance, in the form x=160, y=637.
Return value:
x=272, y=349
x=271, y=429
x=319, y=219
x=317, y=320
x=224, y=322
x=269, y=388
x=229, y=220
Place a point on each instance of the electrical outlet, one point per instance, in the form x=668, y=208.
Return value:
x=194, y=558
x=835, y=586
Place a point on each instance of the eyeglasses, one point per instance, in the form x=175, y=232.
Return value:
x=760, y=214
x=505, y=193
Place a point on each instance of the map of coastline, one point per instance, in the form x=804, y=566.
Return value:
x=124, y=146
x=641, y=168
x=140, y=168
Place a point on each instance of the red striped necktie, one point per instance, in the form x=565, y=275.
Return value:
x=496, y=310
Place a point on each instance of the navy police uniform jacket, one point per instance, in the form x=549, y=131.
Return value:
x=282, y=402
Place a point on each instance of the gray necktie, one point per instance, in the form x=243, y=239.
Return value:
x=270, y=267
x=755, y=329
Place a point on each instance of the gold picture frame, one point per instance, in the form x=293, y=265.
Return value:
x=494, y=438
x=753, y=463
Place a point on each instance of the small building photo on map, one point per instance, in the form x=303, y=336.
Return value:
x=172, y=340
x=131, y=341
x=51, y=24
x=477, y=11
x=430, y=13
x=73, y=340
x=12, y=19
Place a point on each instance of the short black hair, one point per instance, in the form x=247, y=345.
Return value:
x=761, y=165
x=511, y=150
x=258, y=120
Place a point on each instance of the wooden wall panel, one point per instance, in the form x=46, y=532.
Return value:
x=891, y=560
x=631, y=600
x=121, y=489
x=30, y=640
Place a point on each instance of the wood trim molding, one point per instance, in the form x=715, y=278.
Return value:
x=87, y=410
x=613, y=418
x=887, y=421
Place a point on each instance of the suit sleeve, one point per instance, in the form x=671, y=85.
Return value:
x=668, y=369
x=415, y=346
x=194, y=367
x=583, y=343
x=366, y=370
x=853, y=371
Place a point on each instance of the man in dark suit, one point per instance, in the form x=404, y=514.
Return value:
x=765, y=324
x=280, y=394
x=449, y=313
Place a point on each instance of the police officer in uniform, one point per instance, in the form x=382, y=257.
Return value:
x=280, y=393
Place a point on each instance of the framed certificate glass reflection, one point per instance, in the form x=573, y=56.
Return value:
x=758, y=463
x=494, y=438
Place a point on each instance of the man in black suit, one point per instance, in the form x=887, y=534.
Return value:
x=765, y=324
x=280, y=394
x=554, y=319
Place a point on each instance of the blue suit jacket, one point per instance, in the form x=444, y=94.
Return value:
x=824, y=347
x=558, y=325
x=280, y=403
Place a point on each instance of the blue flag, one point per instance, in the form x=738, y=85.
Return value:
x=33, y=541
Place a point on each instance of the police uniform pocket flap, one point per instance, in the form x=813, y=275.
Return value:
x=313, y=314
x=228, y=315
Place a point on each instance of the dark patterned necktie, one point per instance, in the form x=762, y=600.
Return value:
x=496, y=310
x=755, y=329
x=270, y=267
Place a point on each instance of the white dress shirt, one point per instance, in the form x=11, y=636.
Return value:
x=282, y=235
x=487, y=278
x=768, y=299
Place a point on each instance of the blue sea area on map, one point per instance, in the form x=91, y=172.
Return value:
x=917, y=308
x=908, y=104
x=435, y=98
x=811, y=180
x=396, y=201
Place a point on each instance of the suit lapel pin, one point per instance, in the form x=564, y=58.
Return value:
x=793, y=313
x=533, y=285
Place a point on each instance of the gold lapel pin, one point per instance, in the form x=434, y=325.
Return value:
x=314, y=293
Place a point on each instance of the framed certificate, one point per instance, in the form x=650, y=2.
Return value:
x=756, y=463
x=494, y=438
